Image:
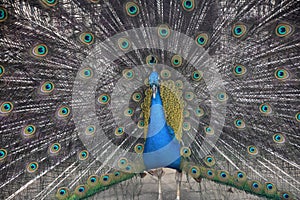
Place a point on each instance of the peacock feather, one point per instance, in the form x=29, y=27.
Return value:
x=96, y=93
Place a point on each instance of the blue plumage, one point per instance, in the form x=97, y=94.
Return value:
x=162, y=149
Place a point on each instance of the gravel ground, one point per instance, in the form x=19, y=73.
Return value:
x=147, y=189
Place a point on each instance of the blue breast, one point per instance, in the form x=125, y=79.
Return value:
x=162, y=149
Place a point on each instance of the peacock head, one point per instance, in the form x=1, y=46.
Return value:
x=154, y=83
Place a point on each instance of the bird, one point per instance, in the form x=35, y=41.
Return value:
x=98, y=93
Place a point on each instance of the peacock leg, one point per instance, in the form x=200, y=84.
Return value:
x=178, y=178
x=159, y=173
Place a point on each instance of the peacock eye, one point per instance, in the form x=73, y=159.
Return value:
x=104, y=99
x=176, y=61
x=32, y=167
x=3, y=154
x=224, y=175
x=285, y=195
x=86, y=73
x=93, y=179
x=128, y=112
x=270, y=188
x=83, y=155
x=208, y=130
x=188, y=5
x=62, y=193
x=185, y=151
x=197, y=75
x=165, y=74
x=119, y=131
x=6, y=107
x=179, y=84
x=240, y=175
x=239, y=70
x=239, y=30
x=124, y=44
x=222, y=96
x=40, y=50
x=3, y=14
x=189, y=96
x=255, y=185
x=81, y=189
x=132, y=9
x=202, y=39
x=137, y=96
x=209, y=161
x=141, y=124
x=128, y=74
x=195, y=171
x=128, y=168
x=87, y=38
x=186, y=113
x=47, y=87
x=297, y=116
x=63, y=112
x=278, y=138
x=49, y=3
x=151, y=60
x=199, y=112
x=239, y=178
x=105, y=178
x=2, y=70
x=139, y=148
x=90, y=130
x=55, y=148
x=29, y=130
x=284, y=29
x=186, y=126
x=164, y=31
x=209, y=173
x=252, y=150
x=122, y=163
x=281, y=74
x=239, y=123
x=265, y=109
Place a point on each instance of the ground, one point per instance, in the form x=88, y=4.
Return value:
x=147, y=189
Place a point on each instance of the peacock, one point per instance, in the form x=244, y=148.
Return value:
x=100, y=97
